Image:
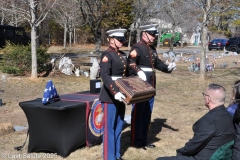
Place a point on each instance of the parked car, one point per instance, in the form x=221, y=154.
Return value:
x=233, y=44
x=217, y=43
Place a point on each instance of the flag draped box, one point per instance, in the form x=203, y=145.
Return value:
x=135, y=89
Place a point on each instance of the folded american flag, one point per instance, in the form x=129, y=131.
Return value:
x=50, y=94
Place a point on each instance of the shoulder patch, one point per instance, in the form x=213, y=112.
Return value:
x=105, y=59
x=133, y=54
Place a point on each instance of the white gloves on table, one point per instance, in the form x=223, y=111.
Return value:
x=172, y=66
x=142, y=75
x=119, y=96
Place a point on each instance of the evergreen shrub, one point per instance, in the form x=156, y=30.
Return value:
x=17, y=59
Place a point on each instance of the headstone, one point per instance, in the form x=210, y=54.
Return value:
x=178, y=58
x=171, y=55
x=207, y=60
x=192, y=58
x=196, y=67
x=86, y=73
x=94, y=69
x=3, y=78
x=225, y=64
x=165, y=56
x=66, y=66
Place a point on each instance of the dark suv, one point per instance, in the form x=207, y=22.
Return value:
x=217, y=43
x=233, y=44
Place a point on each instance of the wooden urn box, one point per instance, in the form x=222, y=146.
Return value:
x=135, y=89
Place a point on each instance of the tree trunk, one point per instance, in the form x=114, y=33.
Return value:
x=138, y=35
x=129, y=39
x=181, y=39
x=98, y=46
x=37, y=37
x=70, y=39
x=204, y=41
x=203, y=53
x=33, y=38
x=172, y=38
x=97, y=41
x=74, y=36
x=34, y=52
x=65, y=36
x=159, y=36
x=171, y=42
x=3, y=17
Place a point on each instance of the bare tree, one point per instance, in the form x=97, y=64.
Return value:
x=29, y=9
x=93, y=14
x=67, y=15
x=144, y=11
x=176, y=12
x=10, y=14
x=208, y=6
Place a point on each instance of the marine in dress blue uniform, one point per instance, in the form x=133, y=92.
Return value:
x=113, y=65
x=143, y=61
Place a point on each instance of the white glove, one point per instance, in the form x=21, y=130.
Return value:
x=119, y=96
x=172, y=66
x=142, y=75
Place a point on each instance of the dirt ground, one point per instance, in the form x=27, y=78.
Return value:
x=178, y=105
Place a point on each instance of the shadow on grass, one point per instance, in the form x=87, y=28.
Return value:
x=156, y=127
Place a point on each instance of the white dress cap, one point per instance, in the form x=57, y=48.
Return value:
x=150, y=27
x=116, y=32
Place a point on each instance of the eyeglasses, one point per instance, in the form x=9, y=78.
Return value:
x=151, y=34
x=204, y=95
x=120, y=39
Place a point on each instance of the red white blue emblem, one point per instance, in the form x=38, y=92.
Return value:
x=96, y=119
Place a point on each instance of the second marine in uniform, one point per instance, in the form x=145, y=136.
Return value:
x=143, y=61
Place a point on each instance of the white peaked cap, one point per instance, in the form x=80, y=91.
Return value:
x=116, y=32
x=150, y=27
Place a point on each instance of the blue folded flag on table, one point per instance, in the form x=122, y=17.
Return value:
x=50, y=94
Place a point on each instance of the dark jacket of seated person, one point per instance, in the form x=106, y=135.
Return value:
x=211, y=131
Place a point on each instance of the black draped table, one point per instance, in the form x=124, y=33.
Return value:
x=61, y=127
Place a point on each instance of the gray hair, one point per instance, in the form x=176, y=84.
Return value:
x=218, y=87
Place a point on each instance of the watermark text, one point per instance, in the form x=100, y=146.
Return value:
x=29, y=156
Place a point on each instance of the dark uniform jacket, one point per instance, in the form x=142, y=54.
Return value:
x=210, y=132
x=115, y=64
x=146, y=56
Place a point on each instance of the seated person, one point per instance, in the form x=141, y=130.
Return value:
x=236, y=98
x=236, y=147
x=211, y=131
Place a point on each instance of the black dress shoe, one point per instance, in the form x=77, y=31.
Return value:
x=150, y=146
x=120, y=158
x=140, y=147
x=144, y=148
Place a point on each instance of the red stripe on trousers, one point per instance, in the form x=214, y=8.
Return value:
x=105, y=143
